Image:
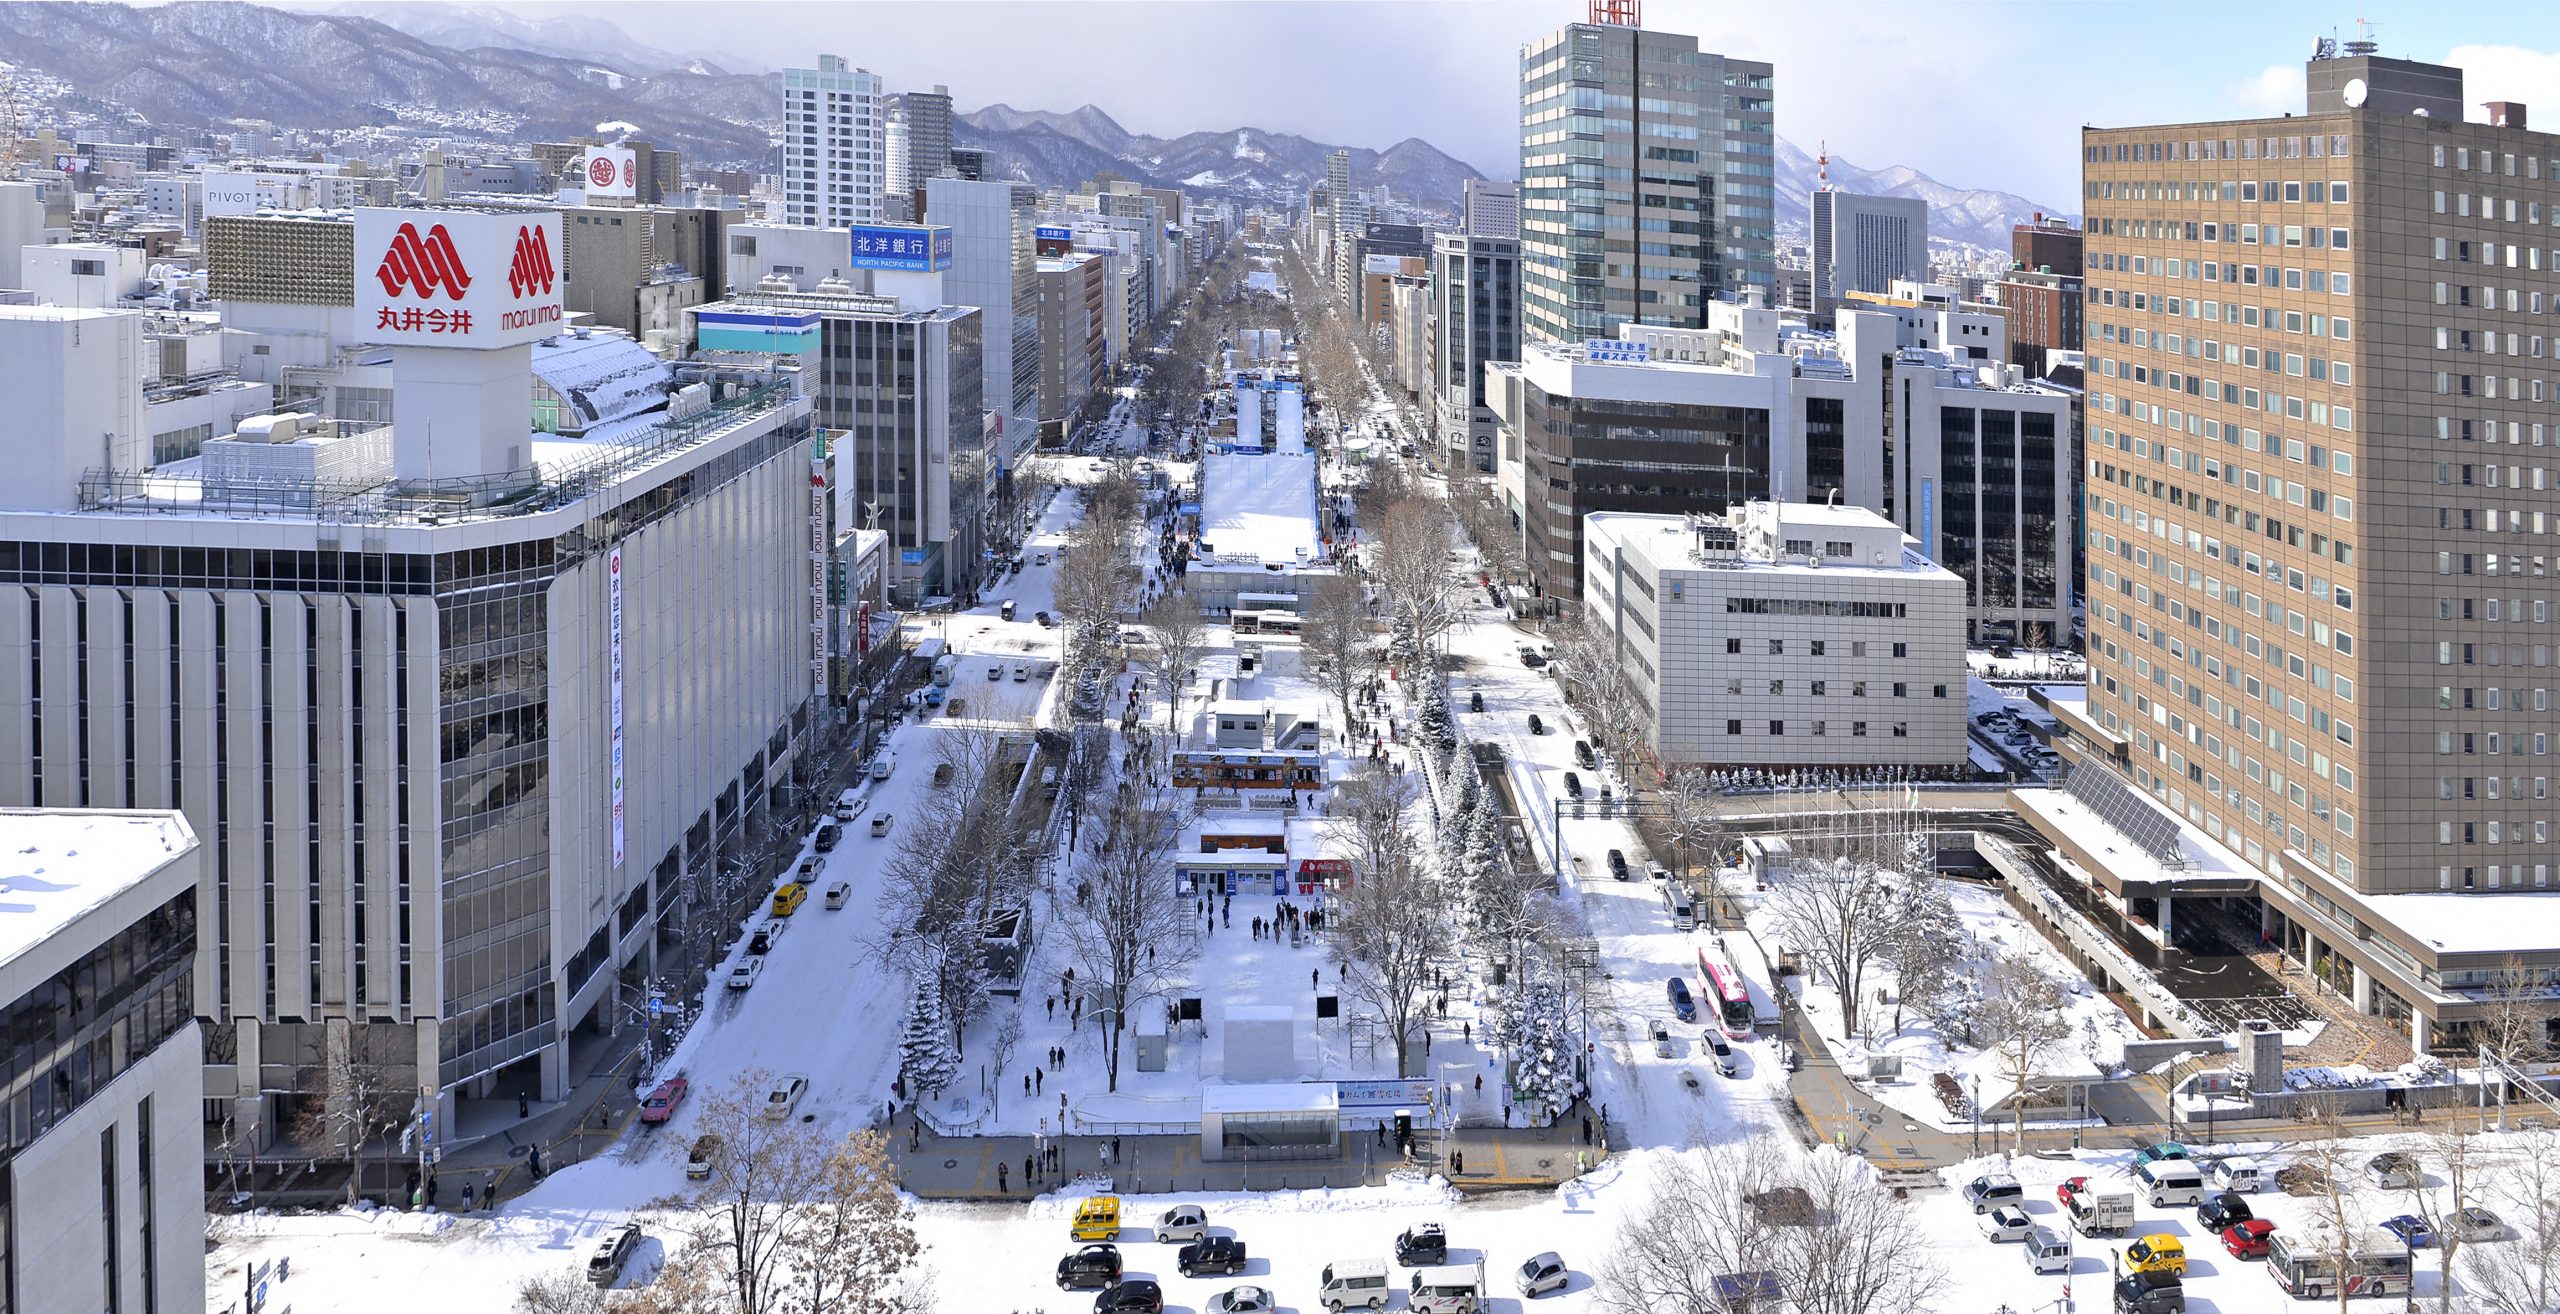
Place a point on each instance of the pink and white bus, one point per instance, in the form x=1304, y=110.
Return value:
x=1730, y=998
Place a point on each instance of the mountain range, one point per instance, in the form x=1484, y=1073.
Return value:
x=429, y=66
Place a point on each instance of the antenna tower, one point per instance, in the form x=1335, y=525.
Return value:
x=1616, y=13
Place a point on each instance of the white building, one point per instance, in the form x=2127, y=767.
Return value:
x=1865, y=244
x=835, y=148
x=1259, y=529
x=469, y=620
x=1783, y=636
x=103, y=1163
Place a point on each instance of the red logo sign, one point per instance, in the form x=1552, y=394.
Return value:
x=600, y=171
x=532, y=271
x=423, y=264
x=630, y=173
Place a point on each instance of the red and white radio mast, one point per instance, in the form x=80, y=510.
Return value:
x=1615, y=13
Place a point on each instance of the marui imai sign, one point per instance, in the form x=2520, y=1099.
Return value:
x=457, y=278
x=612, y=171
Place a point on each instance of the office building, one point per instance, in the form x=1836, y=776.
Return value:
x=1347, y=213
x=995, y=266
x=1490, y=209
x=1966, y=454
x=925, y=117
x=658, y=177
x=1075, y=360
x=2042, y=293
x=2318, y=556
x=969, y=162
x=1866, y=244
x=1783, y=636
x=835, y=152
x=2045, y=243
x=436, y=869
x=102, y=1172
x=1643, y=211
x=1475, y=292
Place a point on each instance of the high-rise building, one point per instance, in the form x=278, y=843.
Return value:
x=2319, y=556
x=927, y=116
x=1865, y=243
x=995, y=267
x=1348, y=215
x=1647, y=180
x=1475, y=293
x=969, y=162
x=1075, y=351
x=2046, y=243
x=1490, y=208
x=835, y=152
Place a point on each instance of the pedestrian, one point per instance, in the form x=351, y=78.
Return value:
x=1001, y=1185
x=466, y=1197
x=1115, y=1147
x=1479, y=1083
x=1382, y=1133
x=1582, y=1161
x=418, y=1199
x=1313, y=978
x=524, y=1104
x=1026, y=1083
x=1467, y=1032
x=1040, y=1080
x=1457, y=1163
x=1506, y=1113
x=431, y=1188
x=1053, y=1008
x=1026, y=1171
x=1586, y=1129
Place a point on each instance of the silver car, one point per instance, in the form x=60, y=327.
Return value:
x=1543, y=1273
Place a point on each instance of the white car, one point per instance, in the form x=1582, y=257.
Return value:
x=995, y=670
x=785, y=1095
x=2006, y=1223
x=2474, y=1223
x=1661, y=1039
x=1242, y=1300
x=1543, y=1273
x=745, y=973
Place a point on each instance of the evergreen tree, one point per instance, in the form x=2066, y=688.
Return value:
x=1539, y=1042
x=1432, y=722
x=927, y=1058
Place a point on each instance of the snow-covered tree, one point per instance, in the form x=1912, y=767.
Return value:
x=1538, y=1038
x=927, y=1057
x=1432, y=722
x=1927, y=953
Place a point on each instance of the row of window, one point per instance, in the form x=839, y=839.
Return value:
x=1822, y=729
x=2226, y=148
x=1822, y=688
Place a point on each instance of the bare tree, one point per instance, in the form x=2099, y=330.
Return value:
x=790, y=1220
x=1596, y=681
x=559, y=1291
x=1691, y=819
x=2327, y=1167
x=2462, y=1156
x=1408, y=554
x=2021, y=1015
x=1180, y=634
x=367, y=1095
x=2521, y=1274
x=1390, y=935
x=1821, y=1227
x=939, y=897
x=1338, y=643
x=2517, y=1011
x=1134, y=939
x=1839, y=912
x=1370, y=816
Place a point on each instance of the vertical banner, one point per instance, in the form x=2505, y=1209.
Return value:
x=818, y=574
x=613, y=622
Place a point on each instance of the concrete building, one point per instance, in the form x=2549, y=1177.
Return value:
x=995, y=266
x=456, y=609
x=1906, y=409
x=1488, y=208
x=1075, y=358
x=926, y=118
x=102, y=1172
x=1700, y=125
x=2318, y=566
x=1475, y=293
x=1409, y=336
x=1783, y=635
x=660, y=176
x=835, y=152
x=1866, y=244
x=2042, y=293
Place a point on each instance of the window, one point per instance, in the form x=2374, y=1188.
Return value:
x=1733, y=727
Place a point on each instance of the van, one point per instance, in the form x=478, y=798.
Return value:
x=788, y=899
x=2237, y=1173
x=848, y=805
x=1992, y=1190
x=1007, y=609
x=2166, y=1182
x=2048, y=1251
x=1097, y=1219
x=1353, y=1282
x=1683, y=910
x=1447, y=1289
x=2151, y=1293
x=2157, y=1253
x=837, y=894
x=882, y=765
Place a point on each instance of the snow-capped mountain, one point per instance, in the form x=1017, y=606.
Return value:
x=1048, y=148
x=581, y=36
x=1971, y=217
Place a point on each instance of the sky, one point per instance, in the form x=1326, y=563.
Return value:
x=1975, y=93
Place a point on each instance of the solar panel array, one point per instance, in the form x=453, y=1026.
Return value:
x=2113, y=799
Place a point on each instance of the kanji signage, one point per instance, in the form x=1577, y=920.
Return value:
x=457, y=278
x=915, y=248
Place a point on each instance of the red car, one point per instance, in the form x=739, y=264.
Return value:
x=2071, y=1190
x=662, y=1102
x=2248, y=1240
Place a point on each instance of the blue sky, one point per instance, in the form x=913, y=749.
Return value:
x=1976, y=94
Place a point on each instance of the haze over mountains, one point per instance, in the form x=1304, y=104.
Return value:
x=466, y=68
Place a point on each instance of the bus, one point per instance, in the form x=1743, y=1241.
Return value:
x=1730, y=997
x=2306, y=1264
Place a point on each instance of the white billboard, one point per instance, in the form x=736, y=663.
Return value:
x=234, y=193
x=457, y=278
x=612, y=171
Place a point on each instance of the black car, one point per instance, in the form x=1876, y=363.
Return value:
x=828, y=834
x=1618, y=866
x=1422, y=1245
x=2151, y=1293
x=2226, y=1209
x=1213, y=1254
x=1536, y=726
x=1092, y=1266
x=1135, y=1296
x=761, y=942
x=1572, y=785
x=1475, y=702
x=1042, y=617
x=1582, y=754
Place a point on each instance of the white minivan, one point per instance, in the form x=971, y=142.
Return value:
x=882, y=765
x=1350, y=1282
x=2237, y=1173
x=1447, y=1289
x=2167, y=1182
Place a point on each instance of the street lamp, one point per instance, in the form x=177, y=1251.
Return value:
x=1977, y=1113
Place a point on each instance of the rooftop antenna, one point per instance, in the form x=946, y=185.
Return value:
x=1823, y=161
x=2364, y=44
x=1615, y=13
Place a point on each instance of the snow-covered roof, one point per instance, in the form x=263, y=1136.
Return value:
x=1259, y=508
x=602, y=376
x=2205, y=857
x=2518, y=922
x=57, y=866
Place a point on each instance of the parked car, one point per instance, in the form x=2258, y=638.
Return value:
x=1582, y=753
x=1133, y=1296
x=2474, y=1223
x=1042, y=616
x=1421, y=1245
x=788, y=899
x=2224, y=1209
x=661, y=1103
x=1021, y=672
x=1542, y=1273
x=1536, y=726
x=1682, y=1006
x=810, y=866
x=2151, y=1293
x=2006, y=1223
x=2411, y=1229
x=1726, y=1063
x=2070, y=1190
x=697, y=1162
x=1090, y=1266
x=1662, y=1047
x=995, y=670
x=2161, y=1150
x=1186, y=1222
x=613, y=1250
x=828, y=836
x=2158, y=1252
x=744, y=975
x=1572, y=786
x=1618, y=869
x=2248, y=1240
x=1531, y=658
x=1210, y=1254
x=1992, y=1190
x=785, y=1095
x=1243, y=1300
x=1475, y=701
x=766, y=937
x=2394, y=1171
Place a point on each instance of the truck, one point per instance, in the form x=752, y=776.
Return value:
x=943, y=668
x=2102, y=1214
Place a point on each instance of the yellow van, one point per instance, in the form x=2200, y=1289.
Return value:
x=788, y=899
x=1097, y=1219
x=2156, y=1253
